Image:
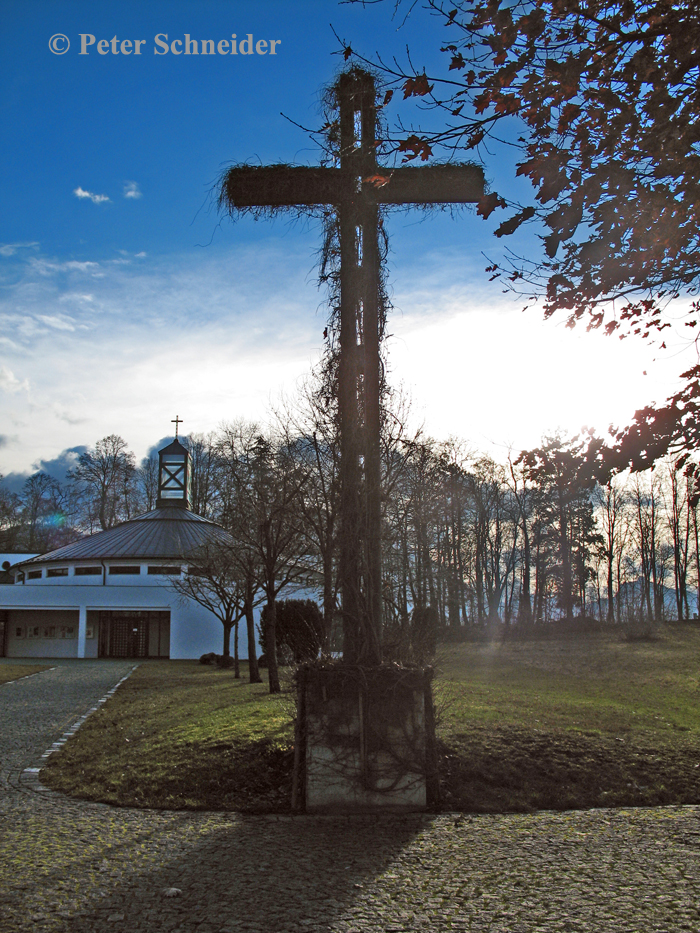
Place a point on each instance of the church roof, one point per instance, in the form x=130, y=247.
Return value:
x=163, y=534
x=174, y=448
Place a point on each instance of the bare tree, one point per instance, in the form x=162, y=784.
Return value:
x=229, y=446
x=203, y=462
x=678, y=517
x=10, y=518
x=273, y=485
x=308, y=425
x=105, y=477
x=261, y=486
x=40, y=495
x=610, y=501
x=212, y=580
x=147, y=482
x=523, y=498
x=654, y=550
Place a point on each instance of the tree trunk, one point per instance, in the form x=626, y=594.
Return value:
x=227, y=639
x=525, y=603
x=611, y=605
x=271, y=644
x=479, y=574
x=618, y=572
x=697, y=561
x=254, y=673
x=328, y=601
x=566, y=575
x=236, y=660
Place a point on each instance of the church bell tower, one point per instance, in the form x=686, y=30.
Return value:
x=174, y=476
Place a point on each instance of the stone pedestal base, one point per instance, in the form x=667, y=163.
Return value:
x=365, y=739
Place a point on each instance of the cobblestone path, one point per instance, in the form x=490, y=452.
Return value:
x=86, y=868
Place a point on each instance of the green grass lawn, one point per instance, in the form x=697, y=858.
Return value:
x=555, y=723
x=10, y=672
x=182, y=735
x=571, y=722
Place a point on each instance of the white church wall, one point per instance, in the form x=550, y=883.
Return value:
x=107, y=575
x=193, y=630
x=12, y=559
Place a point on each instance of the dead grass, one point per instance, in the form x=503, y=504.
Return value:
x=551, y=723
x=181, y=735
x=10, y=672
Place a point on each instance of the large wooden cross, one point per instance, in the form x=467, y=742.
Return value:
x=356, y=188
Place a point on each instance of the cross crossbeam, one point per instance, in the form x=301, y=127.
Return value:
x=356, y=189
x=299, y=186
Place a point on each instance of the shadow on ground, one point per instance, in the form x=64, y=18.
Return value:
x=251, y=874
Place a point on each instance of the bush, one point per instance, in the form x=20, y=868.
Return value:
x=298, y=632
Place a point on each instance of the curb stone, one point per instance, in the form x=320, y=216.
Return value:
x=29, y=777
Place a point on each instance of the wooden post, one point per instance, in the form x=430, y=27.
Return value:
x=359, y=377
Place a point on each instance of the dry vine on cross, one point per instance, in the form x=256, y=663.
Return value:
x=351, y=195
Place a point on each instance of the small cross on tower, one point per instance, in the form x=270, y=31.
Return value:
x=356, y=188
x=176, y=421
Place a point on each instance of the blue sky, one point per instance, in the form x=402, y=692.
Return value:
x=125, y=299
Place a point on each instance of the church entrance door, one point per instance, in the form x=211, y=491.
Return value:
x=134, y=634
x=129, y=637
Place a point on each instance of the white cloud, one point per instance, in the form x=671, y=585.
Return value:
x=9, y=249
x=95, y=198
x=47, y=267
x=57, y=322
x=132, y=190
x=216, y=332
x=68, y=417
x=10, y=383
x=216, y=335
x=75, y=296
x=74, y=266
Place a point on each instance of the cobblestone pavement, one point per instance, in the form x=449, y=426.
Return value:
x=87, y=868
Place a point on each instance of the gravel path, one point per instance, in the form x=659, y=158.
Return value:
x=88, y=868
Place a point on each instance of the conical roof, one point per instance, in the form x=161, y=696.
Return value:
x=163, y=534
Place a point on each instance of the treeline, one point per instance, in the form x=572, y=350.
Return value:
x=539, y=540
x=104, y=487
x=468, y=542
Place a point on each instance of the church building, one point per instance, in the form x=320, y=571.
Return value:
x=110, y=595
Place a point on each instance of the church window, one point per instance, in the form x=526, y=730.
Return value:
x=173, y=570
x=87, y=571
x=34, y=575
x=125, y=569
x=172, y=476
x=57, y=572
